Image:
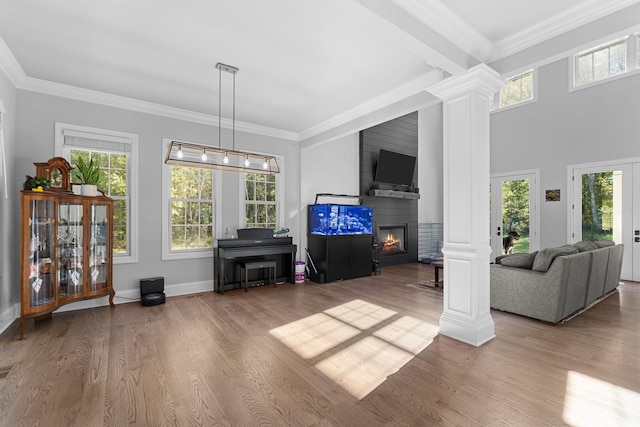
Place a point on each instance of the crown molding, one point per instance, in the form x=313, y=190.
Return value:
x=441, y=19
x=96, y=97
x=9, y=64
x=376, y=103
x=20, y=80
x=588, y=11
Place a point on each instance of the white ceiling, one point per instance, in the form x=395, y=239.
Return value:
x=303, y=64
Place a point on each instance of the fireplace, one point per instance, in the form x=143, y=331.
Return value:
x=392, y=239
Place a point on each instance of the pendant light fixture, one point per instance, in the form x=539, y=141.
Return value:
x=181, y=153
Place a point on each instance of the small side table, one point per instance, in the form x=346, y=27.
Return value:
x=437, y=266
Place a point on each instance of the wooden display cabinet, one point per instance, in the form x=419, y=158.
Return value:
x=66, y=250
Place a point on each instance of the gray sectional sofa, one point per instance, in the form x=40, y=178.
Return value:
x=555, y=283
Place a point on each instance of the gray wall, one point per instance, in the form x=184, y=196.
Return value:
x=35, y=142
x=564, y=128
x=331, y=167
x=430, y=181
x=9, y=246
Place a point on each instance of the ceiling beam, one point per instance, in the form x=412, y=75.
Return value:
x=437, y=16
x=415, y=35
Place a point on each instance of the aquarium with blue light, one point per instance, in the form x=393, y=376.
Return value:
x=340, y=220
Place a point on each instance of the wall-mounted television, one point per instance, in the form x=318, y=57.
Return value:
x=340, y=220
x=395, y=168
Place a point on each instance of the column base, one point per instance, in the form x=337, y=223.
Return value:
x=471, y=331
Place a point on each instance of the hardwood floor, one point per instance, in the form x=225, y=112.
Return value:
x=362, y=352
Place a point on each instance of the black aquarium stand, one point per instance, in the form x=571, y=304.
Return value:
x=340, y=257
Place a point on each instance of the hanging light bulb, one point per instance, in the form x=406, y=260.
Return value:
x=204, y=155
x=246, y=161
x=225, y=159
x=265, y=165
x=180, y=153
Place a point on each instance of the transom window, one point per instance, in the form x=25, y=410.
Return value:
x=519, y=89
x=606, y=61
x=260, y=201
x=601, y=63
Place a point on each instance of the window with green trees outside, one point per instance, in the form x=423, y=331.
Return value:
x=113, y=183
x=260, y=202
x=191, y=204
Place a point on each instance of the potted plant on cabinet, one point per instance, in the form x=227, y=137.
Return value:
x=36, y=184
x=88, y=175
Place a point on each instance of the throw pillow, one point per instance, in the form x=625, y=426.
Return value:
x=585, y=246
x=604, y=243
x=499, y=258
x=520, y=260
x=545, y=257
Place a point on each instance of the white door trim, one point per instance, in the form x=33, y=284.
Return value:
x=631, y=206
x=534, y=211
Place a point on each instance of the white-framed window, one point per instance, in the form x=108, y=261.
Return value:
x=261, y=206
x=606, y=61
x=260, y=201
x=188, y=211
x=117, y=155
x=518, y=90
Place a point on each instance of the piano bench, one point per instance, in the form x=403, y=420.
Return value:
x=248, y=265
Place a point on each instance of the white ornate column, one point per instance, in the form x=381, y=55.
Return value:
x=467, y=315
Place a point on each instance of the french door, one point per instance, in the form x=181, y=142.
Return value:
x=514, y=213
x=605, y=207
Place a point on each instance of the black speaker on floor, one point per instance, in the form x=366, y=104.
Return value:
x=152, y=291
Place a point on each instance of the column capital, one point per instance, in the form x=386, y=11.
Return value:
x=481, y=78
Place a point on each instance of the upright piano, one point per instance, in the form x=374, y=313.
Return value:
x=229, y=252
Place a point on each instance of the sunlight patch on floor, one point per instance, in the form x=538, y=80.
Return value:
x=363, y=366
x=408, y=333
x=313, y=335
x=360, y=314
x=362, y=348
x=366, y=364
x=593, y=402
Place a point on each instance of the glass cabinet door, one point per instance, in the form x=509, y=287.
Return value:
x=41, y=233
x=99, y=246
x=70, y=249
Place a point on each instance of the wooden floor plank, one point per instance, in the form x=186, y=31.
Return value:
x=258, y=358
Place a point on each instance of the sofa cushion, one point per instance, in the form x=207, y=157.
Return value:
x=545, y=257
x=585, y=246
x=604, y=243
x=519, y=260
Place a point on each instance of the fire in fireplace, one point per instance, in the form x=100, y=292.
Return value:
x=392, y=239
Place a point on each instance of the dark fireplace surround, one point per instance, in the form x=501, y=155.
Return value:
x=399, y=135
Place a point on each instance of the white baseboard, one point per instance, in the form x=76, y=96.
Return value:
x=8, y=316
x=122, y=297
